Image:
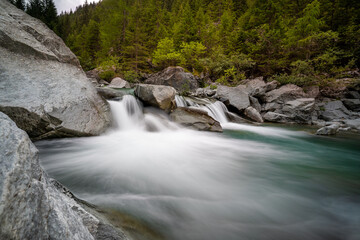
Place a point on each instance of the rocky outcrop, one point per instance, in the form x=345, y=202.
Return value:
x=33, y=206
x=175, y=77
x=276, y=117
x=42, y=86
x=300, y=110
x=352, y=104
x=283, y=94
x=159, y=96
x=196, y=119
x=235, y=98
x=119, y=83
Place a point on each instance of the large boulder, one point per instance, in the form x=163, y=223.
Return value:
x=299, y=110
x=159, y=96
x=175, y=77
x=33, y=206
x=196, y=119
x=42, y=86
x=334, y=110
x=284, y=94
x=236, y=98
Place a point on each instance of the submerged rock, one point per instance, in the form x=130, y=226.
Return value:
x=159, y=96
x=175, y=77
x=43, y=88
x=33, y=206
x=196, y=119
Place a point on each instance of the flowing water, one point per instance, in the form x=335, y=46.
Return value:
x=250, y=182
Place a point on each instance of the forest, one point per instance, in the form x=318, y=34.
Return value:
x=302, y=42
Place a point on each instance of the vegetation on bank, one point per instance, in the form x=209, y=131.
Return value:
x=302, y=42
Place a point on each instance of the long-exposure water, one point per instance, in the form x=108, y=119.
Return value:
x=249, y=182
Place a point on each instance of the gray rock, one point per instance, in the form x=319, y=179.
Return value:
x=354, y=95
x=253, y=114
x=256, y=87
x=234, y=97
x=284, y=94
x=254, y=102
x=159, y=96
x=352, y=104
x=119, y=83
x=329, y=130
x=272, y=85
x=196, y=119
x=354, y=123
x=32, y=206
x=300, y=110
x=175, y=77
x=276, y=117
x=110, y=93
x=232, y=117
x=334, y=110
x=42, y=86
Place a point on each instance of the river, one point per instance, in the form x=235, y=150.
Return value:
x=249, y=182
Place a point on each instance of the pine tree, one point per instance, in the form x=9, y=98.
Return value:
x=20, y=4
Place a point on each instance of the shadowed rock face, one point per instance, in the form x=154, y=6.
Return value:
x=42, y=86
x=33, y=206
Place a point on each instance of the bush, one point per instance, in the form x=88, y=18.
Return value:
x=131, y=76
x=107, y=75
x=299, y=80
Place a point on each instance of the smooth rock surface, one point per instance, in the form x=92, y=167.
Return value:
x=253, y=114
x=234, y=97
x=42, y=86
x=119, y=83
x=275, y=117
x=159, y=96
x=299, y=109
x=334, y=110
x=110, y=93
x=354, y=123
x=175, y=77
x=32, y=206
x=196, y=119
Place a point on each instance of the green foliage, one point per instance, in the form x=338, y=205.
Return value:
x=131, y=76
x=107, y=75
x=165, y=54
x=297, y=41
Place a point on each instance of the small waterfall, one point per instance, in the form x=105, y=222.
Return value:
x=216, y=110
x=129, y=116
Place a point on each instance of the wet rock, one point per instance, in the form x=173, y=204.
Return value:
x=119, y=83
x=110, y=93
x=329, y=130
x=159, y=96
x=196, y=119
x=253, y=114
x=33, y=206
x=232, y=117
x=43, y=88
x=175, y=77
x=234, y=97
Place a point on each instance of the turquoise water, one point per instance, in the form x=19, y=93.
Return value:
x=250, y=182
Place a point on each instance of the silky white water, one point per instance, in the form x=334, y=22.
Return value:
x=246, y=183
